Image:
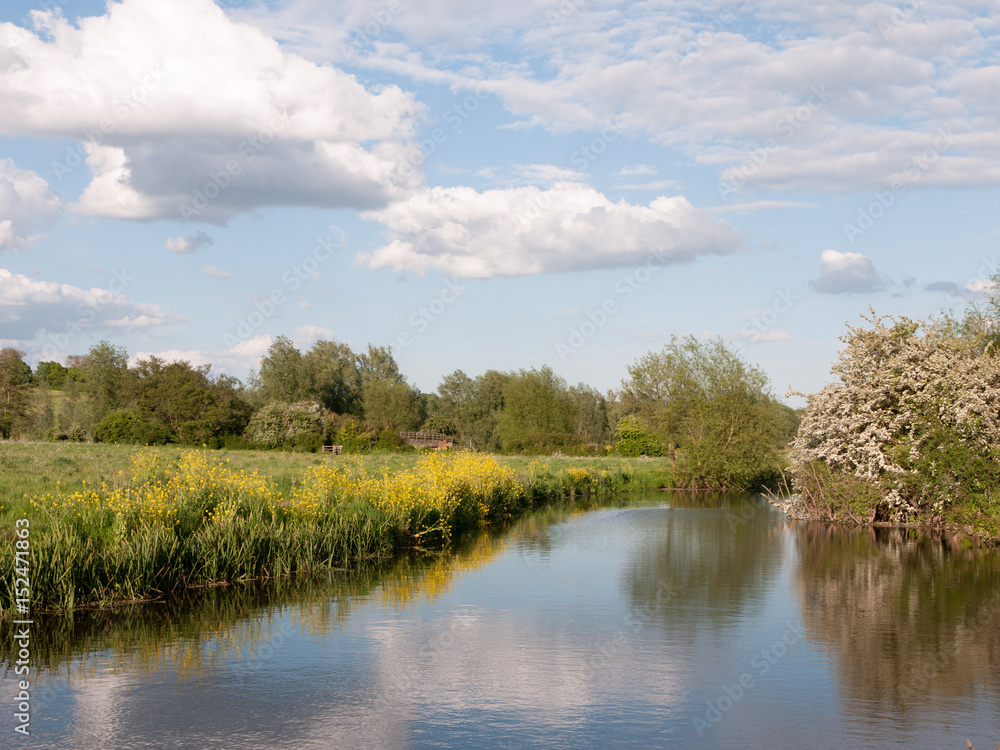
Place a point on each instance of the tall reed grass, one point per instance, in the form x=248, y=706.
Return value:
x=172, y=520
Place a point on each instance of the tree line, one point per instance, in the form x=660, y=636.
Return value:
x=699, y=404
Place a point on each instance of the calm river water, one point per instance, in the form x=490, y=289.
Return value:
x=662, y=620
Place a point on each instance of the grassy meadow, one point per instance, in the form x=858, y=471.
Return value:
x=110, y=524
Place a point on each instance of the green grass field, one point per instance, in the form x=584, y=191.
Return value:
x=40, y=468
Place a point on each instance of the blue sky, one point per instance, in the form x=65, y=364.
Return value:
x=489, y=185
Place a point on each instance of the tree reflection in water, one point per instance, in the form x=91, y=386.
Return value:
x=715, y=553
x=908, y=617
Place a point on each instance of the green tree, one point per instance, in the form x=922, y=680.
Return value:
x=187, y=401
x=280, y=374
x=713, y=412
x=106, y=379
x=590, y=415
x=538, y=413
x=441, y=425
x=487, y=407
x=44, y=420
x=379, y=364
x=635, y=438
x=331, y=377
x=51, y=374
x=389, y=405
x=15, y=393
x=387, y=400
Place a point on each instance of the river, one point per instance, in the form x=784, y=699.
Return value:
x=657, y=620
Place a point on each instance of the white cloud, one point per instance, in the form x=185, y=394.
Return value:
x=846, y=273
x=184, y=245
x=545, y=174
x=307, y=335
x=25, y=200
x=981, y=286
x=53, y=314
x=887, y=84
x=178, y=98
x=744, y=208
x=216, y=273
x=762, y=337
x=636, y=171
x=654, y=185
x=237, y=360
x=526, y=230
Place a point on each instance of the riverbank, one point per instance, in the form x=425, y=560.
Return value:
x=961, y=526
x=108, y=525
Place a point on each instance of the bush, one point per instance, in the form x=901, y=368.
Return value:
x=74, y=434
x=388, y=440
x=237, y=443
x=118, y=427
x=277, y=424
x=915, y=417
x=309, y=442
x=635, y=438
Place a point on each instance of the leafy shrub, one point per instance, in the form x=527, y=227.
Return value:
x=276, y=423
x=635, y=438
x=120, y=427
x=308, y=442
x=388, y=440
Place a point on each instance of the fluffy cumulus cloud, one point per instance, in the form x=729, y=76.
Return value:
x=846, y=273
x=25, y=200
x=52, y=315
x=183, y=112
x=528, y=230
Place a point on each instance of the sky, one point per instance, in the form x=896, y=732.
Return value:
x=488, y=185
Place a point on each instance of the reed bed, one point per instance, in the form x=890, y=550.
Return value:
x=172, y=520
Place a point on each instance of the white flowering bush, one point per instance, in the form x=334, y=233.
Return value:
x=911, y=430
x=277, y=423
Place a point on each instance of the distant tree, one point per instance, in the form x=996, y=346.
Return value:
x=187, y=401
x=387, y=400
x=378, y=364
x=51, y=374
x=538, y=413
x=106, y=379
x=389, y=405
x=713, y=412
x=456, y=402
x=488, y=405
x=129, y=427
x=15, y=393
x=590, y=415
x=44, y=419
x=75, y=364
x=280, y=375
x=441, y=425
x=331, y=377
x=633, y=437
